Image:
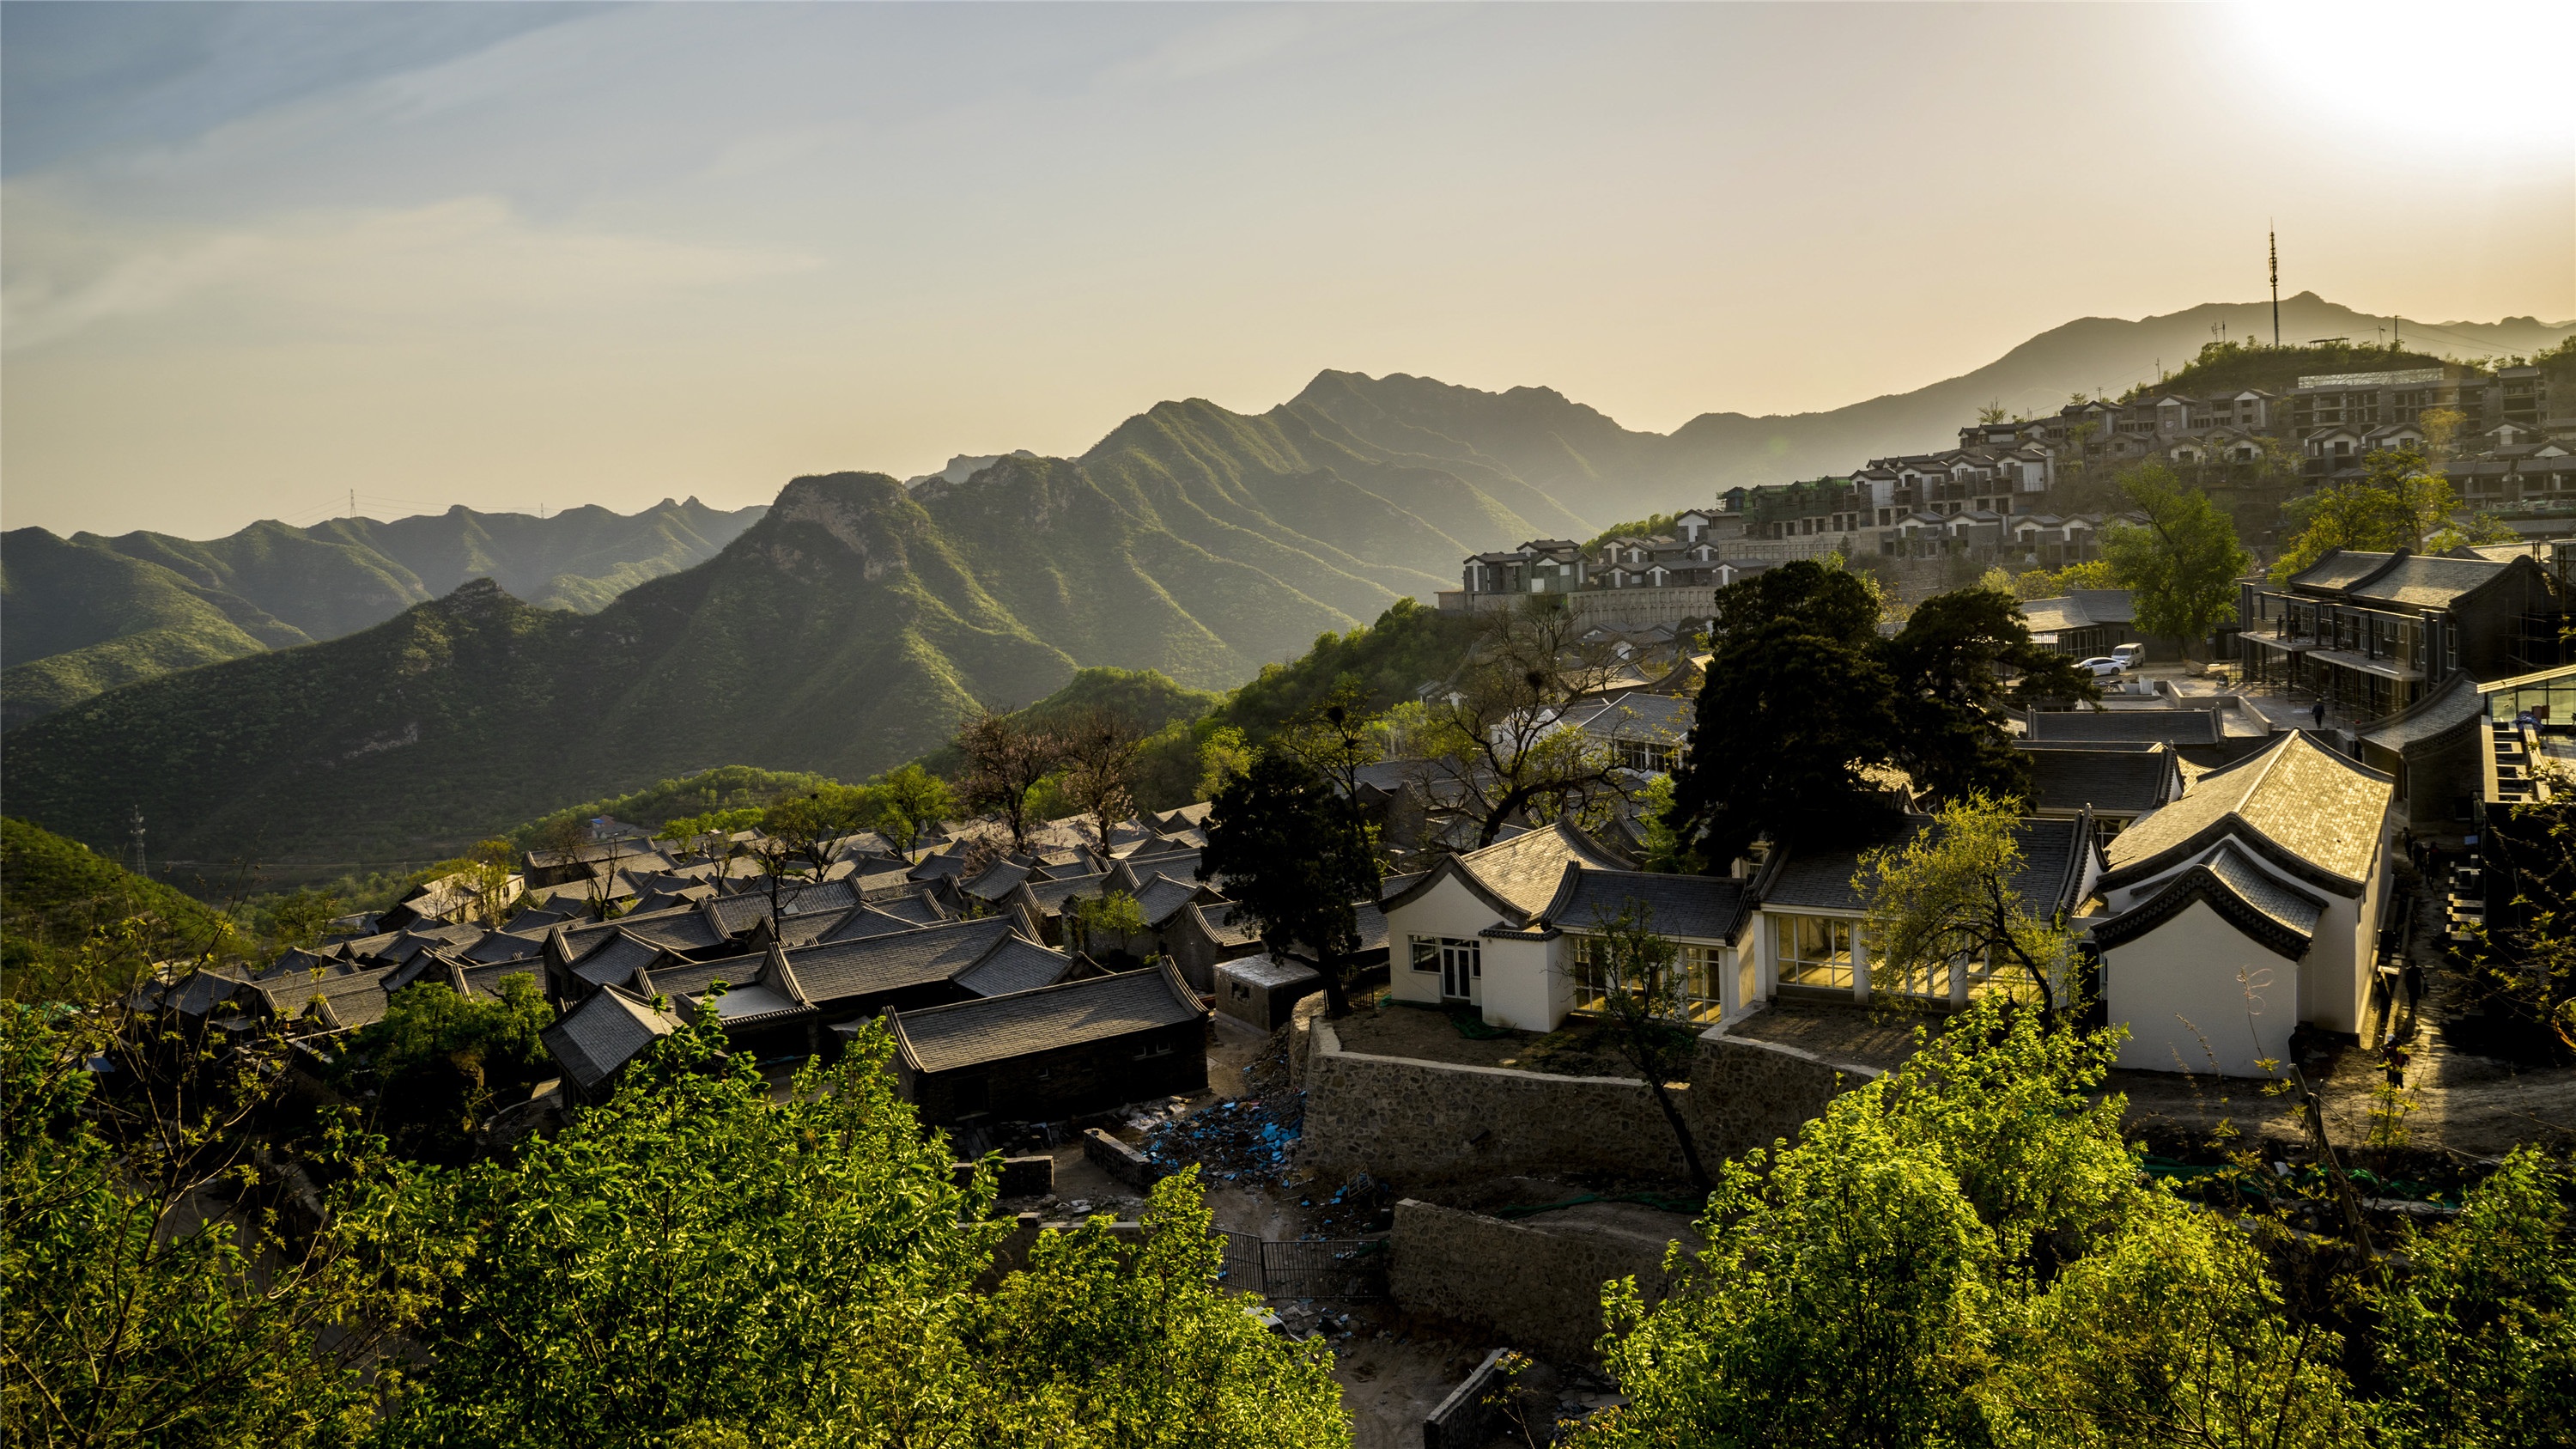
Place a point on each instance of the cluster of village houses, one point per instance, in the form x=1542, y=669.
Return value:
x=2229, y=882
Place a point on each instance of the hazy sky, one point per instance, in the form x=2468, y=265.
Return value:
x=257, y=256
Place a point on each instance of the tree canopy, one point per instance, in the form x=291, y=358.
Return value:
x=1803, y=700
x=2182, y=564
x=1294, y=861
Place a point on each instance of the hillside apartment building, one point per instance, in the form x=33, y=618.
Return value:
x=2004, y=494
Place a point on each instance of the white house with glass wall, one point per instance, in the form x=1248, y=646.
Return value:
x=1509, y=930
x=1810, y=936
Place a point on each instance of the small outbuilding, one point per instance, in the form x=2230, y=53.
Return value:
x=1260, y=991
x=1054, y=1052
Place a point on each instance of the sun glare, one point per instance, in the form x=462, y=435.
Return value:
x=2444, y=74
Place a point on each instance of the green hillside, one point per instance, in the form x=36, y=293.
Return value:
x=846, y=632
x=57, y=896
x=89, y=613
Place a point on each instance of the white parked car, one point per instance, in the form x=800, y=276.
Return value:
x=2103, y=667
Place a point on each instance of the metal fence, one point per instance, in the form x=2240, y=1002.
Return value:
x=1348, y=1269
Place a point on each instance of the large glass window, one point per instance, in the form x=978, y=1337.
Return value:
x=1702, y=970
x=1813, y=951
x=1426, y=953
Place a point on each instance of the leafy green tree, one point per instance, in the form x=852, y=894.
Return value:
x=2477, y=1345
x=1224, y=757
x=1946, y=895
x=145, y=1295
x=438, y=1061
x=1964, y=1252
x=1110, y=916
x=1643, y=999
x=1962, y=659
x=1089, y=1348
x=909, y=801
x=2397, y=503
x=691, y=1256
x=2182, y=564
x=1795, y=709
x=1282, y=838
x=703, y=1261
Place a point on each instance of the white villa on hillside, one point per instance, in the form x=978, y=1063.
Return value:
x=2223, y=920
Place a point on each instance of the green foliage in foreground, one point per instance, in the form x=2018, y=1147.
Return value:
x=695, y=1262
x=57, y=896
x=1964, y=1253
x=439, y=1061
x=698, y=1262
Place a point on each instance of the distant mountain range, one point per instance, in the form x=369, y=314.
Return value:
x=848, y=628
x=88, y=613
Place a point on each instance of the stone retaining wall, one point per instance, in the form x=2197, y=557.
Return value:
x=1519, y=1282
x=1413, y=1121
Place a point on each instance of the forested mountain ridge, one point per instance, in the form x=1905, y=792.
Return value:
x=1606, y=472
x=846, y=632
x=90, y=612
x=851, y=627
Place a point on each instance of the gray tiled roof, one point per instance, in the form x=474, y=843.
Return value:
x=2454, y=704
x=856, y=925
x=2306, y=799
x=617, y=959
x=1643, y=717
x=483, y=983
x=1214, y=920
x=998, y=880
x=1162, y=898
x=2051, y=852
x=2292, y=907
x=2339, y=570
x=1525, y=870
x=604, y=1033
x=1701, y=907
x=687, y=980
x=1014, y=965
x=737, y=914
x=2106, y=606
x=2177, y=726
x=2122, y=782
x=345, y=1003
x=1263, y=970
x=1052, y=894
x=920, y=908
x=943, y=1038
x=2429, y=581
x=891, y=962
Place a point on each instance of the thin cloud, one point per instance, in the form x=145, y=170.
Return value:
x=71, y=271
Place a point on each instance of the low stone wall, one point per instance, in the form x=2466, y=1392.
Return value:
x=1522, y=1283
x=1012, y=1253
x=1416, y=1121
x=1020, y=1176
x=1412, y=1121
x=1748, y=1094
x=1119, y=1160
